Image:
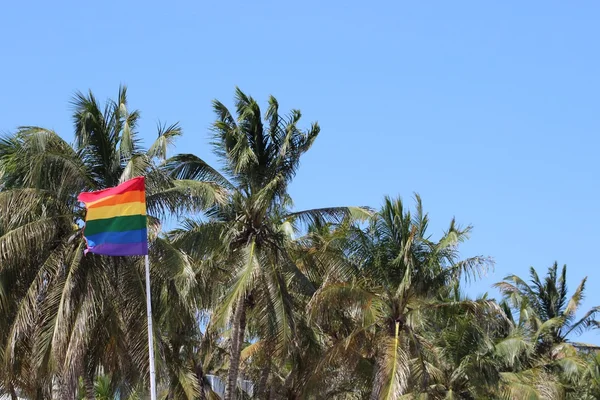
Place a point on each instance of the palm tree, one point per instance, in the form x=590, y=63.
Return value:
x=189, y=354
x=545, y=306
x=104, y=390
x=590, y=384
x=467, y=366
x=249, y=235
x=398, y=282
x=547, y=318
x=71, y=314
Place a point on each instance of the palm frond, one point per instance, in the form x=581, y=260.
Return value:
x=247, y=271
x=392, y=376
x=575, y=300
x=586, y=322
x=329, y=215
x=184, y=196
x=166, y=138
x=191, y=167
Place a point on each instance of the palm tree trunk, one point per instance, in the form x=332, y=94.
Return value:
x=272, y=391
x=239, y=328
x=90, y=393
x=289, y=387
x=64, y=390
x=375, y=389
x=200, y=377
x=262, y=391
x=378, y=380
x=13, y=394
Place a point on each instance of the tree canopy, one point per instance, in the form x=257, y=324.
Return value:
x=251, y=297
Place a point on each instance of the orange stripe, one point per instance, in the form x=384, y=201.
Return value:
x=127, y=197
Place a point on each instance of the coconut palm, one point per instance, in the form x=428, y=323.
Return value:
x=545, y=306
x=590, y=383
x=466, y=363
x=71, y=314
x=400, y=276
x=547, y=318
x=248, y=236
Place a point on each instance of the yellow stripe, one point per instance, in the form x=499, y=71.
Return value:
x=120, y=210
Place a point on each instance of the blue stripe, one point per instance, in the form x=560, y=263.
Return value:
x=135, y=236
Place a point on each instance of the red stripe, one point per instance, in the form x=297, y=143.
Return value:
x=135, y=184
x=118, y=199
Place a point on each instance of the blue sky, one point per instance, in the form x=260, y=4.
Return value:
x=489, y=110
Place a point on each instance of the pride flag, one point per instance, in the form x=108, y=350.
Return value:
x=115, y=224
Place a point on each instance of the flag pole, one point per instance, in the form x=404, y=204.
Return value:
x=150, y=335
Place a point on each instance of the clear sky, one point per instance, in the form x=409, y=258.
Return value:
x=488, y=109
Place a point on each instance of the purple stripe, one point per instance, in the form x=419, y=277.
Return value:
x=126, y=237
x=120, y=249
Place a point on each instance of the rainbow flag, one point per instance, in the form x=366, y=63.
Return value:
x=115, y=224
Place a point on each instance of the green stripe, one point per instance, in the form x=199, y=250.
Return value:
x=115, y=224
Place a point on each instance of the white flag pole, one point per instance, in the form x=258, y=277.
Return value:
x=150, y=335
